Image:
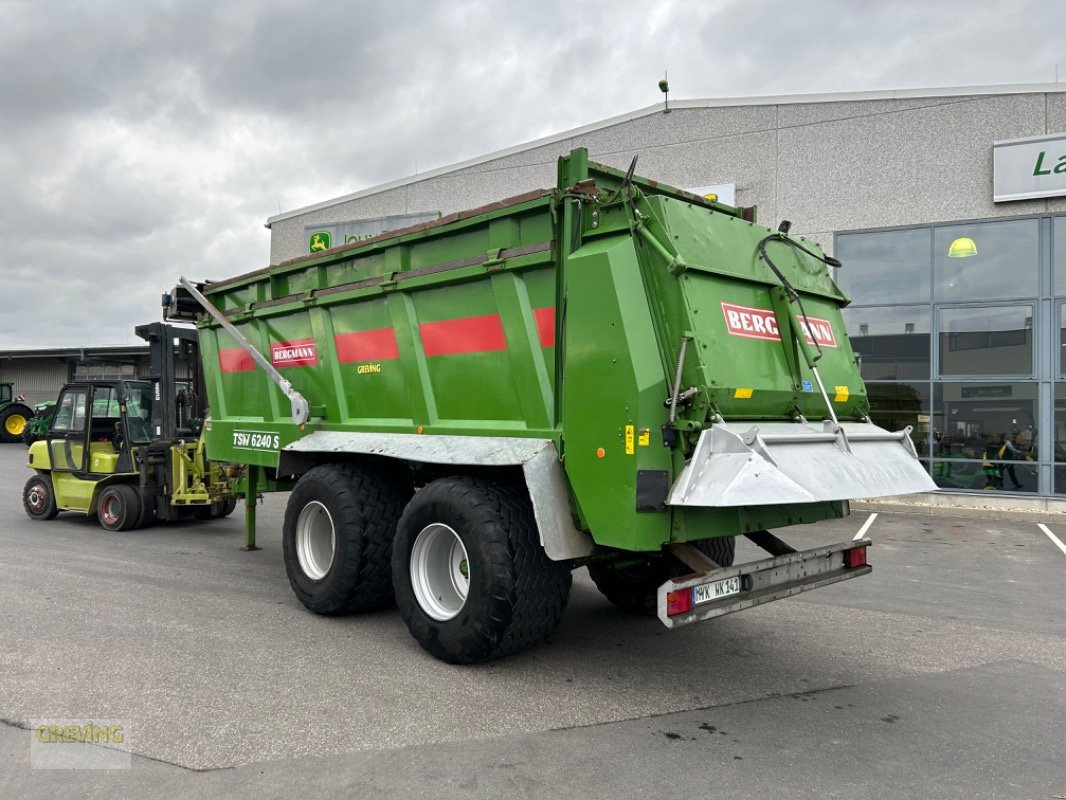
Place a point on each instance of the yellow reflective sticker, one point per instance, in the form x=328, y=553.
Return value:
x=629, y=440
x=842, y=394
x=743, y=394
x=644, y=437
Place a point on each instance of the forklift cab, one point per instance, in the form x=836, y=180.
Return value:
x=98, y=425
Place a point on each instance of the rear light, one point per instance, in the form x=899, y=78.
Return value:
x=855, y=557
x=678, y=602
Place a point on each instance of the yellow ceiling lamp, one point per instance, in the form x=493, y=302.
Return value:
x=963, y=247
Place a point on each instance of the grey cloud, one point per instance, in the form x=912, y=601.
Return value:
x=143, y=140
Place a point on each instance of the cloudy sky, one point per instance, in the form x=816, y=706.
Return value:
x=144, y=140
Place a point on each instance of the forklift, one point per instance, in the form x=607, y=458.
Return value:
x=130, y=450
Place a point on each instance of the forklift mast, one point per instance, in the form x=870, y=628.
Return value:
x=176, y=414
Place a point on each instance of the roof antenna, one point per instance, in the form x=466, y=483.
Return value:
x=664, y=87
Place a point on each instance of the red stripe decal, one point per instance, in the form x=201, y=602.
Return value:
x=545, y=319
x=467, y=335
x=376, y=345
x=235, y=359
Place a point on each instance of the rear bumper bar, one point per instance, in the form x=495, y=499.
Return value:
x=763, y=581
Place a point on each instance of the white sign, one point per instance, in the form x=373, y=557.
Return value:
x=340, y=233
x=1027, y=168
x=761, y=323
x=726, y=192
x=255, y=440
x=294, y=354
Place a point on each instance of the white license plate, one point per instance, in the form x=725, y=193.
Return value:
x=706, y=592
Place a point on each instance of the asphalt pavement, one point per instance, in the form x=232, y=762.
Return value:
x=942, y=674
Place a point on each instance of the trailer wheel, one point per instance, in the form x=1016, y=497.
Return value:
x=721, y=550
x=119, y=507
x=633, y=587
x=337, y=539
x=472, y=581
x=38, y=498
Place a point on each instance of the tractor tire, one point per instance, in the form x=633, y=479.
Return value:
x=633, y=588
x=13, y=421
x=39, y=499
x=337, y=537
x=119, y=507
x=472, y=581
x=226, y=507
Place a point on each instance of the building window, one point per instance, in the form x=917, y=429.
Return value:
x=1062, y=339
x=894, y=406
x=885, y=266
x=986, y=260
x=1059, y=454
x=893, y=341
x=1058, y=250
x=984, y=436
x=986, y=340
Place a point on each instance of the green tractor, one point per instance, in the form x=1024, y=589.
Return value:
x=130, y=451
x=37, y=427
x=15, y=415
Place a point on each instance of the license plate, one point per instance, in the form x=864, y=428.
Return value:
x=706, y=592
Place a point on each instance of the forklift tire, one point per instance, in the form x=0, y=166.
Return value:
x=119, y=507
x=147, y=512
x=633, y=588
x=223, y=508
x=337, y=536
x=38, y=498
x=472, y=580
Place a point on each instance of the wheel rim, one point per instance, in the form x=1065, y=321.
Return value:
x=15, y=424
x=440, y=572
x=37, y=498
x=107, y=510
x=316, y=540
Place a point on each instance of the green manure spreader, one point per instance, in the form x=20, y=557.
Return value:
x=613, y=373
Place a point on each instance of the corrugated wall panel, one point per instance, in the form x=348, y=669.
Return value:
x=37, y=378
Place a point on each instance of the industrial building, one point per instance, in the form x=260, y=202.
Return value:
x=39, y=373
x=947, y=208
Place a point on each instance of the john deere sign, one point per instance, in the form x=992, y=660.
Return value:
x=1028, y=168
x=319, y=240
x=323, y=237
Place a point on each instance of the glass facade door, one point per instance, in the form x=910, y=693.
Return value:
x=962, y=332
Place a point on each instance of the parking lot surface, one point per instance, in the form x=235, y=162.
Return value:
x=942, y=674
